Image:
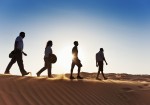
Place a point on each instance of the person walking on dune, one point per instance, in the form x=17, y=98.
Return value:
x=75, y=61
x=18, y=51
x=48, y=64
x=99, y=62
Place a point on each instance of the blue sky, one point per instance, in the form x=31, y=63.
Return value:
x=121, y=27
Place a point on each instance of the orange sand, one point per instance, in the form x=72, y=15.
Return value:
x=119, y=89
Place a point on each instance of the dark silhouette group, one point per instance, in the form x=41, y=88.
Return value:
x=16, y=55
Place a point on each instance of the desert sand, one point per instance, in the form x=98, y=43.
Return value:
x=119, y=89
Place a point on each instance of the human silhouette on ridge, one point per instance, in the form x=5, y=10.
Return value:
x=99, y=62
x=48, y=64
x=17, y=55
x=75, y=61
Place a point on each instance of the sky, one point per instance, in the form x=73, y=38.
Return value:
x=120, y=27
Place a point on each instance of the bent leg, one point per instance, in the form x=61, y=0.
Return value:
x=103, y=75
x=48, y=66
x=13, y=60
x=20, y=63
x=41, y=70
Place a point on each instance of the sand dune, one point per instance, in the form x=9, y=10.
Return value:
x=17, y=90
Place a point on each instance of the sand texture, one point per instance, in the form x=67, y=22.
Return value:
x=119, y=89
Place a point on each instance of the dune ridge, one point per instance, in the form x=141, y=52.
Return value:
x=17, y=90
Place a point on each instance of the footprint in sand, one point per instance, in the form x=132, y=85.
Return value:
x=145, y=84
x=140, y=87
x=127, y=89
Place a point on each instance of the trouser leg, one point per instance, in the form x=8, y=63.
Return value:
x=79, y=68
x=41, y=70
x=13, y=60
x=98, y=73
x=72, y=67
x=20, y=63
x=103, y=75
x=49, y=72
x=44, y=68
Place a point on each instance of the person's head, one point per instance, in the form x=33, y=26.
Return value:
x=49, y=43
x=76, y=43
x=22, y=34
x=101, y=49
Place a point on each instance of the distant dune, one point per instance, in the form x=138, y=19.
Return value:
x=119, y=89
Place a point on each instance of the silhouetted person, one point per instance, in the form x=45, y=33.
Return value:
x=48, y=64
x=75, y=61
x=18, y=51
x=99, y=62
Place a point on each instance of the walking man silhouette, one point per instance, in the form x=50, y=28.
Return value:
x=48, y=64
x=18, y=51
x=75, y=61
x=99, y=62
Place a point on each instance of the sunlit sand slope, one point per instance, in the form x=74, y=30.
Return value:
x=17, y=90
